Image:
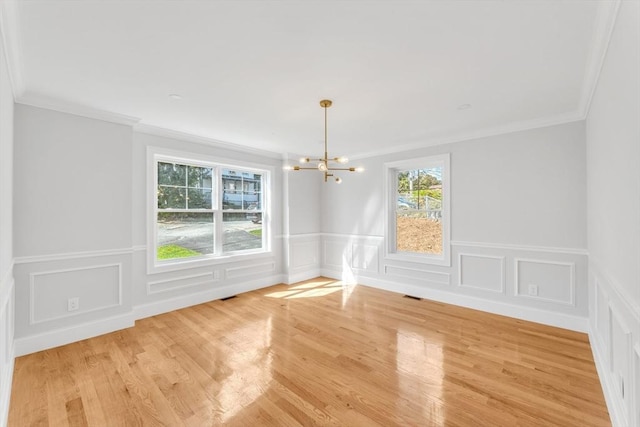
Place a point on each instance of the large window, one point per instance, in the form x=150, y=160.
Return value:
x=204, y=210
x=418, y=210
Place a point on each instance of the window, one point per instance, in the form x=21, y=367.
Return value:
x=418, y=210
x=203, y=210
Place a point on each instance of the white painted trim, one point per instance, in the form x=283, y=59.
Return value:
x=305, y=236
x=301, y=277
x=58, y=337
x=389, y=170
x=560, y=320
x=61, y=106
x=158, y=307
x=447, y=276
x=155, y=154
x=605, y=23
x=507, y=246
x=72, y=255
x=572, y=280
x=352, y=236
x=211, y=276
x=249, y=270
x=10, y=29
x=139, y=248
x=619, y=292
x=597, y=289
x=636, y=374
x=502, y=272
x=612, y=376
x=608, y=389
x=32, y=277
x=197, y=139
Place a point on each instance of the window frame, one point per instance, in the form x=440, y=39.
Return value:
x=217, y=164
x=391, y=170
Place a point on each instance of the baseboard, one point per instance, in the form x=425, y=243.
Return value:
x=616, y=413
x=164, y=306
x=559, y=320
x=300, y=277
x=5, y=393
x=58, y=337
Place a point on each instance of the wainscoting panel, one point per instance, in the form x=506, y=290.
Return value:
x=615, y=340
x=6, y=342
x=619, y=354
x=484, y=272
x=182, y=282
x=364, y=256
x=97, y=287
x=304, y=254
x=417, y=274
x=553, y=281
x=601, y=311
x=266, y=268
x=334, y=254
x=100, y=280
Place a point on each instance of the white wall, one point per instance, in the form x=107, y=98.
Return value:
x=6, y=236
x=613, y=188
x=72, y=226
x=518, y=215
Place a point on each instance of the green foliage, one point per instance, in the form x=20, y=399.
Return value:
x=257, y=232
x=175, y=251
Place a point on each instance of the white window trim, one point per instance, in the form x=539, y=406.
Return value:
x=155, y=154
x=390, y=190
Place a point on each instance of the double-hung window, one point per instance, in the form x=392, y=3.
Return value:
x=205, y=210
x=418, y=221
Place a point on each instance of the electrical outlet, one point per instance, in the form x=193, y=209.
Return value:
x=73, y=304
x=533, y=290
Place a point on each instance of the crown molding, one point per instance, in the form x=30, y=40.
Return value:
x=11, y=42
x=542, y=122
x=604, y=25
x=76, y=109
x=196, y=139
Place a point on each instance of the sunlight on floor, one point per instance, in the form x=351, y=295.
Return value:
x=315, y=288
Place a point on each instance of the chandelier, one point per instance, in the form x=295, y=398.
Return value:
x=325, y=164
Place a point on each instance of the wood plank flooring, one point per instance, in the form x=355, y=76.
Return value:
x=315, y=353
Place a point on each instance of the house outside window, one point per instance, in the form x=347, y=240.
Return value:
x=203, y=210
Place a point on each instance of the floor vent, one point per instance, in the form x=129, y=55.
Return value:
x=226, y=298
x=412, y=297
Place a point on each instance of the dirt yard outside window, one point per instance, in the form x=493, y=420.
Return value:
x=418, y=234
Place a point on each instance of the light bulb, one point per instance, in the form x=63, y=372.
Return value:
x=304, y=160
x=322, y=167
x=338, y=180
x=359, y=169
x=342, y=160
x=287, y=168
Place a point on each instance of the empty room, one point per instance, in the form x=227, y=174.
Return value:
x=304, y=212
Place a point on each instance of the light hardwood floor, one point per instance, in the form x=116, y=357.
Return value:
x=315, y=353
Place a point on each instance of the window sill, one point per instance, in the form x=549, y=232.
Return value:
x=441, y=260
x=204, y=261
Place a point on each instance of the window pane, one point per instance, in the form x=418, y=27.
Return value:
x=171, y=174
x=242, y=190
x=200, y=177
x=419, y=211
x=171, y=197
x=182, y=234
x=418, y=232
x=199, y=198
x=242, y=231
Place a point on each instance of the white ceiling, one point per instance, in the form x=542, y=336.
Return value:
x=253, y=72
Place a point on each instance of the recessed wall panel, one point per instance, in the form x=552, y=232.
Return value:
x=96, y=287
x=545, y=280
x=481, y=272
x=364, y=256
